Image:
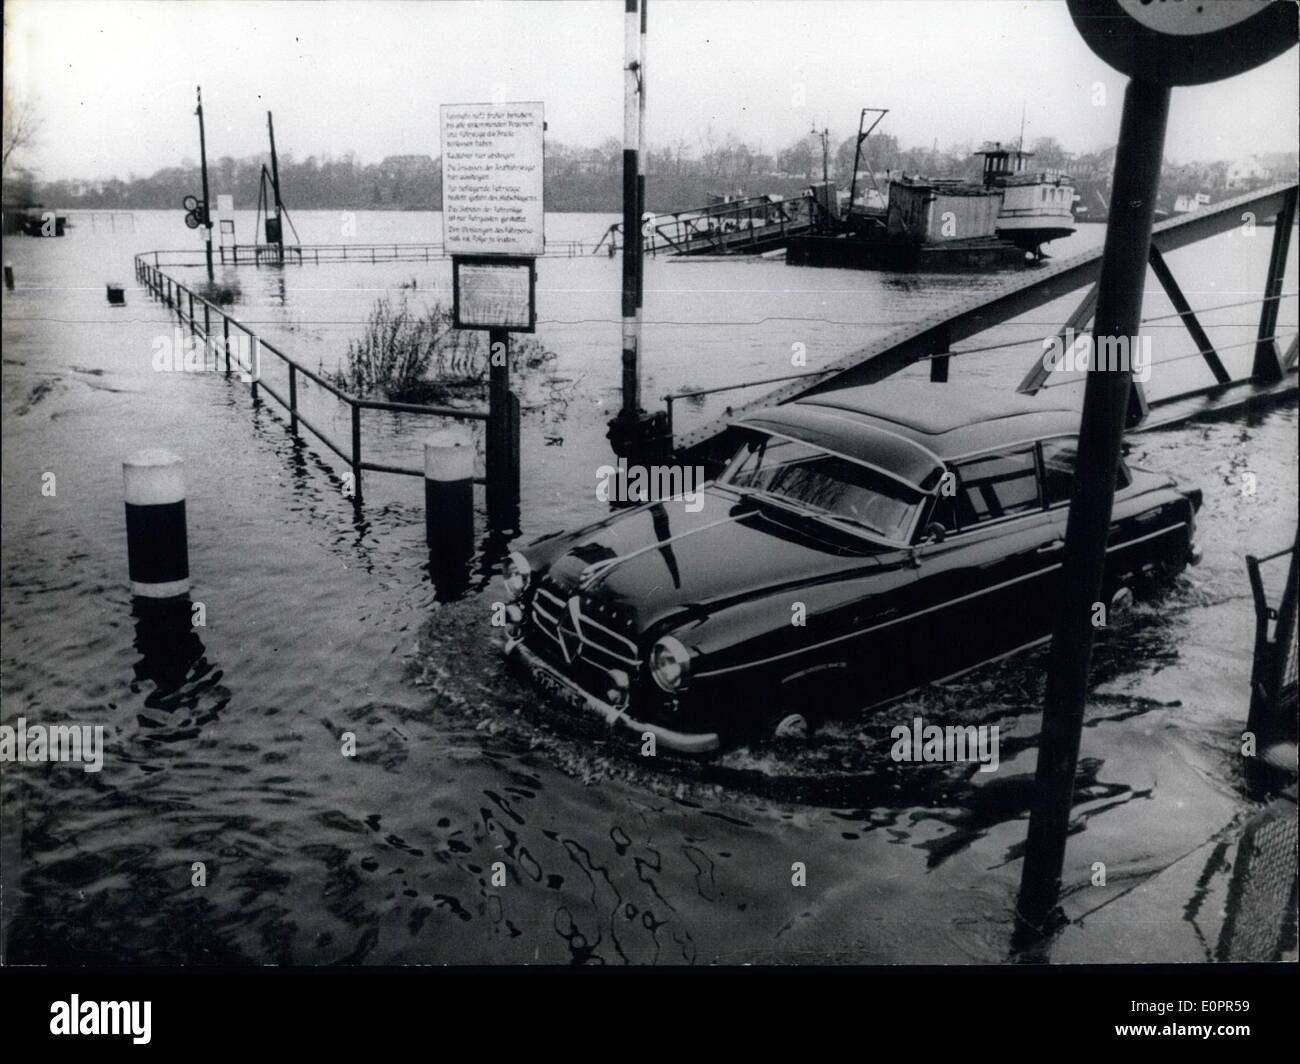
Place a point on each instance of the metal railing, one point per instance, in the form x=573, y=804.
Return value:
x=188, y=305
x=672, y=397
x=320, y=254
x=1273, y=682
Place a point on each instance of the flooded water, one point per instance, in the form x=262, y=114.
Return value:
x=224, y=746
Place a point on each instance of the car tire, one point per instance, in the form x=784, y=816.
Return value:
x=1121, y=601
x=791, y=726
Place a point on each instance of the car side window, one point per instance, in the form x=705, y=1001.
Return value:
x=996, y=486
x=945, y=506
x=1058, y=470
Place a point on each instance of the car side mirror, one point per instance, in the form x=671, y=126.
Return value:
x=934, y=533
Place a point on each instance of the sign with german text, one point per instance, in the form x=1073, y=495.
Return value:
x=492, y=179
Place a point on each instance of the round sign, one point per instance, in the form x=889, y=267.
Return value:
x=192, y=220
x=1185, y=42
x=190, y=203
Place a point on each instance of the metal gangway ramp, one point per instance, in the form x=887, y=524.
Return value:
x=746, y=226
x=1273, y=371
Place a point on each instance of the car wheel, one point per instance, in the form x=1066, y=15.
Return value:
x=1121, y=601
x=791, y=726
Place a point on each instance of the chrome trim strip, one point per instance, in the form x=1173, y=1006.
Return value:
x=929, y=609
x=617, y=635
x=1150, y=535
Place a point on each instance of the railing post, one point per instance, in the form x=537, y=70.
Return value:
x=1273, y=670
x=207, y=321
x=502, y=436
x=356, y=451
x=256, y=366
x=1267, y=367
x=191, y=295
x=225, y=335
x=293, y=398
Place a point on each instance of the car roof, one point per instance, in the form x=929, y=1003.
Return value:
x=914, y=426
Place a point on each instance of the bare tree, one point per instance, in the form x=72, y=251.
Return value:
x=22, y=124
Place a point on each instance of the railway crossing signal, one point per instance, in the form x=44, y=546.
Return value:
x=195, y=212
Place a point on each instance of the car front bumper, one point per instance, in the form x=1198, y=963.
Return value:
x=554, y=681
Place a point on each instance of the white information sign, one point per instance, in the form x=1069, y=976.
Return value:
x=492, y=179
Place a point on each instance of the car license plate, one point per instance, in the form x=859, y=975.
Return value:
x=562, y=692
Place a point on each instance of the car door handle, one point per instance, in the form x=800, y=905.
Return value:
x=1047, y=548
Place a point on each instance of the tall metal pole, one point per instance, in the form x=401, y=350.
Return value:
x=275, y=186
x=631, y=217
x=502, y=436
x=857, y=155
x=640, y=174
x=1105, y=404
x=203, y=164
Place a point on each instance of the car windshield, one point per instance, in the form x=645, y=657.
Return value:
x=826, y=484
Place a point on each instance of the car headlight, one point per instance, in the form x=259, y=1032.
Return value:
x=518, y=573
x=670, y=664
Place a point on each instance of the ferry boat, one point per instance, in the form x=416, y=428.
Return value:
x=1037, y=206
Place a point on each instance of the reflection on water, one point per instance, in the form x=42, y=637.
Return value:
x=225, y=742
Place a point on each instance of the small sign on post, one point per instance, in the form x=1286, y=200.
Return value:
x=494, y=229
x=494, y=292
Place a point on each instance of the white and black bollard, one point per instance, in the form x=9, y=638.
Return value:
x=449, y=495
x=157, y=551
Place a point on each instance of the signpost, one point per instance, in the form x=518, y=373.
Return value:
x=494, y=230
x=1159, y=44
x=204, y=217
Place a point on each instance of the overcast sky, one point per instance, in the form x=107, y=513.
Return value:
x=115, y=81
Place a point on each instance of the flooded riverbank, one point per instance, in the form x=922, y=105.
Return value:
x=321, y=620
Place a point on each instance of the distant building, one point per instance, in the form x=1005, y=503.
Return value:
x=1247, y=171
x=1189, y=202
x=407, y=165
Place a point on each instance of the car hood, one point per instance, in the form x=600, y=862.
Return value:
x=658, y=560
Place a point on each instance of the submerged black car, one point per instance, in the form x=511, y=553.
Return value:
x=859, y=544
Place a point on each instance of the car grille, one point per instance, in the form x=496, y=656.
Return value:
x=586, y=649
